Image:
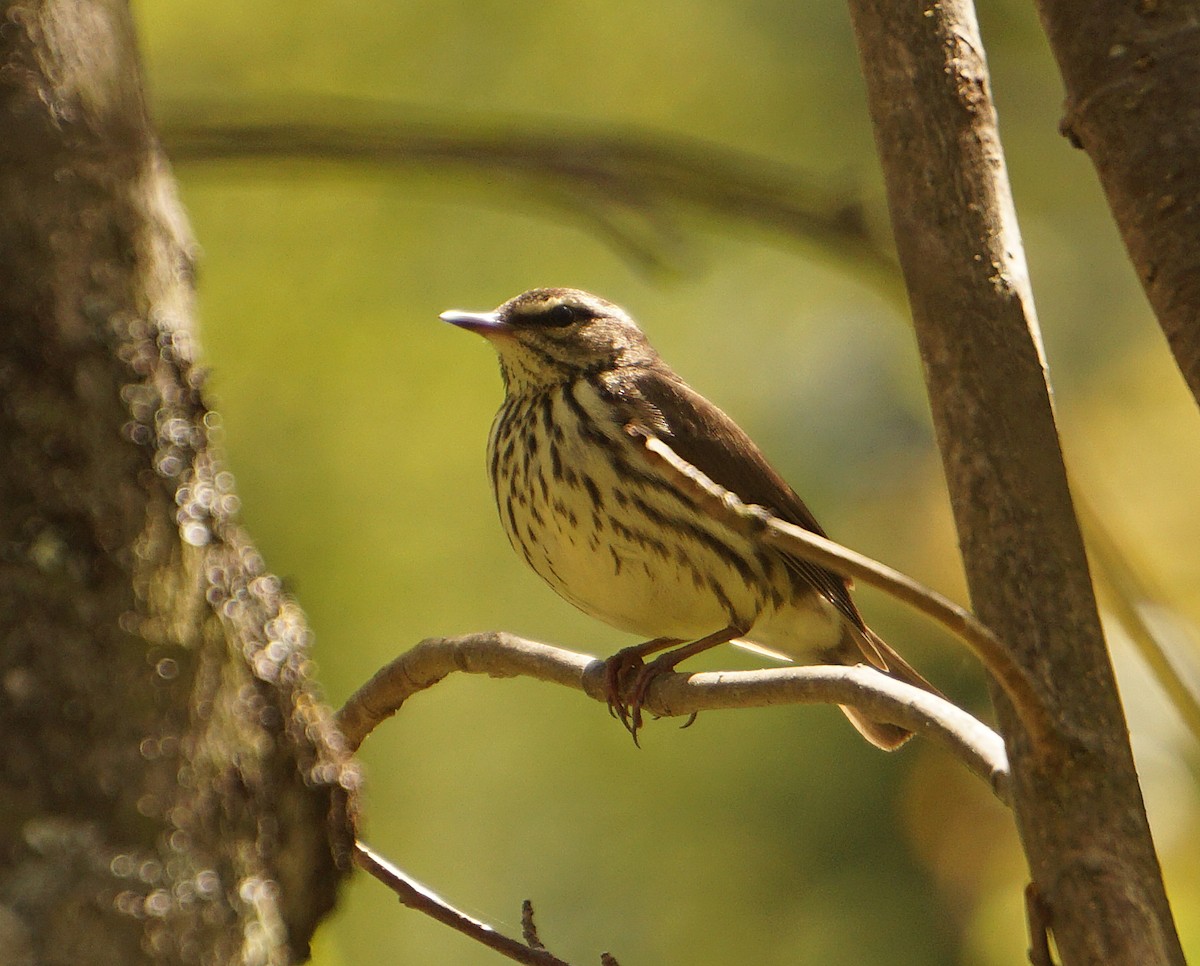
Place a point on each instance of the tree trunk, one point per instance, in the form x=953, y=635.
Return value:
x=1078, y=804
x=170, y=788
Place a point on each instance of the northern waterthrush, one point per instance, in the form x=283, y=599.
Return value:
x=620, y=536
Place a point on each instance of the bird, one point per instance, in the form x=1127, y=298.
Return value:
x=621, y=536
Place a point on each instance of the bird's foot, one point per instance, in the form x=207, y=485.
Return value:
x=631, y=661
x=617, y=670
x=622, y=672
x=646, y=676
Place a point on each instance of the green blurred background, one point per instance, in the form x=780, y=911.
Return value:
x=356, y=424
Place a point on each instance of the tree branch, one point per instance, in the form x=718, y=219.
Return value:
x=630, y=185
x=1165, y=638
x=1079, y=811
x=810, y=546
x=501, y=655
x=415, y=896
x=1132, y=78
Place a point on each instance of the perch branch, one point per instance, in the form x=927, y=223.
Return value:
x=630, y=187
x=781, y=535
x=502, y=655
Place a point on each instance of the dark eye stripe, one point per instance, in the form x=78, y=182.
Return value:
x=554, y=317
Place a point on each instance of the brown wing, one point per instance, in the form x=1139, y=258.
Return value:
x=703, y=435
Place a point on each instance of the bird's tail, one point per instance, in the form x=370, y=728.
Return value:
x=879, y=653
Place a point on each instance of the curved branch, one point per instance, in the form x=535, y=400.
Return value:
x=501, y=655
x=785, y=536
x=629, y=187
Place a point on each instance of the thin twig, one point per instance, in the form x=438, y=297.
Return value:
x=528, y=927
x=502, y=655
x=415, y=896
x=820, y=550
x=1164, y=637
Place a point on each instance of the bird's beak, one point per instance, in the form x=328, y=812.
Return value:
x=486, y=324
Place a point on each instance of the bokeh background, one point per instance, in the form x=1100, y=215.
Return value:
x=355, y=423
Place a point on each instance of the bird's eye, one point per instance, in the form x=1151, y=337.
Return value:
x=561, y=315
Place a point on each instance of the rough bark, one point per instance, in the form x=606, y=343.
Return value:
x=1077, y=799
x=1132, y=77
x=170, y=788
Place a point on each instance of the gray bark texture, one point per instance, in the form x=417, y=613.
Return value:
x=1076, y=797
x=171, y=789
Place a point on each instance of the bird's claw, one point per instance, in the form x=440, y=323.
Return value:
x=630, y=712
x=617, y=684
x=631, y=660
x=616, y=670
x=641, y=684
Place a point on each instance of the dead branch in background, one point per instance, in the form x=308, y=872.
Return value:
x=1165, y=639
x=630, y=186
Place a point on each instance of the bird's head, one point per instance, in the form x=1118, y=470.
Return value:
x=548, y=336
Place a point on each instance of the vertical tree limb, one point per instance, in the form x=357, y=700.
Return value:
x=1132, y=77
x=1079, y=808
